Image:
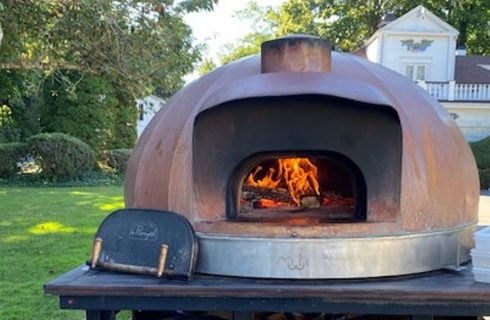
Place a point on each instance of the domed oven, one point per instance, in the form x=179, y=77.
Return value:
x=306, y=163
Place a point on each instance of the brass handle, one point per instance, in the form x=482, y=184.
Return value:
x=159, y=272
x=96, y=250
x=162, y=260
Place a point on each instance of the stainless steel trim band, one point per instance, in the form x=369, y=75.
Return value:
x=334, y=258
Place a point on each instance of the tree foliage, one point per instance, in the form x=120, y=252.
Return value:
x=249, y=45
x=94, y=112
x=206, y=66
x=77, y=66
x=263, y=23
x=20, y=101
x=124, y=134
x=140, y=45
x=348, y=24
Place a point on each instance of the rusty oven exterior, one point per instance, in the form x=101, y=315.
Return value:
x=298, y=98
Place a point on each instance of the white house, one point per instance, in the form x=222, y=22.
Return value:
x=422, y=47
x=147, y=107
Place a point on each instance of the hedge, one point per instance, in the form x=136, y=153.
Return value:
x=481, y=151
x=10, y=155
x=118, y=159
x=61, y=156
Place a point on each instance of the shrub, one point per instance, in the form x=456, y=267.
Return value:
x=60, y=156
x=118, y=159
x=10, y=155
x=484, y=178
x=481, y=151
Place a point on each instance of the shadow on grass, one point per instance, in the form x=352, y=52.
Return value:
x=29, y=212
x=45, y=232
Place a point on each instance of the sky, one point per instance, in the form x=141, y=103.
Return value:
x=219, y=27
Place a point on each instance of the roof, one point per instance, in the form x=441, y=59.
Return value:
x=421, y=12
x=387, y=18
x=471, y=69
x=418, y=12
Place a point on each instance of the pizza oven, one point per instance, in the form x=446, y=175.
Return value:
x=302, y=163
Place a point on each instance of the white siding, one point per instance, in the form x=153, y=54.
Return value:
x=372, y=51
x=418, y=24
x=387, y=48
x=147, y=108
x=472, y=118
x=434, y=57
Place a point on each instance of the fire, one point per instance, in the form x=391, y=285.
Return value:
x=299, y=175
x=267, y=182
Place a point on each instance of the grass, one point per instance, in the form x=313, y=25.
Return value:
x=45, y=232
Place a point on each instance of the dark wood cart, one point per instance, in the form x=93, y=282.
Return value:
x=102, y=293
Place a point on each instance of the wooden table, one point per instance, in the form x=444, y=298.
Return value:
x=102, y=293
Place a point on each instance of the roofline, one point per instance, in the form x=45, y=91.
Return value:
x=446, y=25
x=422, y=33
x=386, y=29
x=372, y=38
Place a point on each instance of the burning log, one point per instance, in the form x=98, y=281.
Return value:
x=269, y=204
x=268, y=198
x=277, y=194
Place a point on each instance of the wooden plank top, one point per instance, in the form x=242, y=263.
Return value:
x=436, y=286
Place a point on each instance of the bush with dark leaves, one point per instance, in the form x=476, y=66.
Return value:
x=11, y=154
x=61, y=156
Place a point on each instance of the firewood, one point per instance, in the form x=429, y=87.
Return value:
x=254, y=193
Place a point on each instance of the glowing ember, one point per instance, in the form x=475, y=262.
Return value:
x=269, y=204
x=299, y=175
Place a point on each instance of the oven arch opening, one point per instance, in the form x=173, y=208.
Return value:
x=297, y=188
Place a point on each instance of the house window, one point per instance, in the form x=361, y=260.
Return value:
x=415, y=72
x=420, y=73
x=409, y=72
x=141, y=112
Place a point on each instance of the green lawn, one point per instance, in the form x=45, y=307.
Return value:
x=45, y=232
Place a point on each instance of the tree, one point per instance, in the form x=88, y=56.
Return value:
x=87, y=113
x=140, y=45
x=263, y=22
x=125, y=134
x=249, y=45
x=206, y=66
x=349, y=23
x=86, y=50
x=20, y=100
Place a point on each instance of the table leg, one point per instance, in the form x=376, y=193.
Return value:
x=100, y=315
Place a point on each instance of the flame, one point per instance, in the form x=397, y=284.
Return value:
x=267, y=182
x=299, y=175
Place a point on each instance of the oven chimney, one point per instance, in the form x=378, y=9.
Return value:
x=296, y=53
